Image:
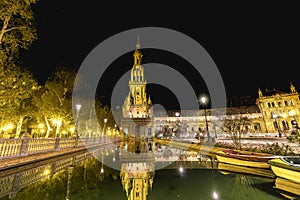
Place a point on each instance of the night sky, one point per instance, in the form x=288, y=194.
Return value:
x=253, y=46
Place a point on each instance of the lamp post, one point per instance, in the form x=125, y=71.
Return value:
x=103, y=131
x=177, y=114
x=115, y=137
x=203, y=101
x=78, y=106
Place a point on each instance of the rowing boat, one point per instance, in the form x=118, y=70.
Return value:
x=243, y=158
x=287, y=167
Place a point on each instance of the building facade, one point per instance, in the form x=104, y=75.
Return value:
x=274, y=112
x=280, y=110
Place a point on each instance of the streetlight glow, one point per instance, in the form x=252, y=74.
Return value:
x=41, y=125
x=203, y=100
x=78, y=106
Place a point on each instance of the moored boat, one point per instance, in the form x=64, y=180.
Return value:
x=242, y=158
x=224, y=167
x=287, y=167
x=288, y=187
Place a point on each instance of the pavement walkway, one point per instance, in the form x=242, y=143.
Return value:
x=12, y=162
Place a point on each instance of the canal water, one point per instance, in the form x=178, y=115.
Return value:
x=84, y=177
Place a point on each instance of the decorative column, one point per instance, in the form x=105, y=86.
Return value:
x=25, y=145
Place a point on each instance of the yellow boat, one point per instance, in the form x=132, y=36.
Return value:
x=246, y=170
x=287, y=167
x=242, y=158
x=288, y=187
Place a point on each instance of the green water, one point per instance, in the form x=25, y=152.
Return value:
x=169, y=184
x=79, y=178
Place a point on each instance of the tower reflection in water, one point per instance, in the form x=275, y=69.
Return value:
x=137, y=169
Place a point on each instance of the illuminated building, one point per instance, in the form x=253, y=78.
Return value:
x=137, y=108
x=280, y=110
x=273, y=112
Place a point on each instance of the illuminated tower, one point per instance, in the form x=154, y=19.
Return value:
x=137, y=109
x=137, y=104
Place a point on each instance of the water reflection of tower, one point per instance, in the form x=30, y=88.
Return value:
x=137, y=173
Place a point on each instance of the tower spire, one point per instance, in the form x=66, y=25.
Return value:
x=138, y=46
x=292, y=88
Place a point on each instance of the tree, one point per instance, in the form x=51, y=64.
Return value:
x=235, y=125
x=16, y=88
x=17, y=30
x=55, y=102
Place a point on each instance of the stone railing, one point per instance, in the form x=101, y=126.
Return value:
x=10, y=147
x=26, y=146
x=12, y=183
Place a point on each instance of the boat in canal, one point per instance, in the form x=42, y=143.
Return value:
x=243, y=158
x=229, y=168
x=287, y=167
x=287, y=188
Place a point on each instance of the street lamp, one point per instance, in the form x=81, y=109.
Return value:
x=103, y=131
x=177, y=115
x=115, y=137
x=203, y=101
x=78, y=106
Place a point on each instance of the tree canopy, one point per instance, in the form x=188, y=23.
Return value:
x=17, y=30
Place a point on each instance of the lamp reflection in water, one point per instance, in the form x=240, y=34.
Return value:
x=102, y=169
x=181, y=169
x=215, y=195
x=70, y=175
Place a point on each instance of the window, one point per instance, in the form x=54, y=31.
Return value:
x=269, y=105
x=285, y=125
x=279, y=104
x=290, y=102
x=276, y=126
x=273, y=104
x=281, y=113
x=273, y=114
x=285, y=103
x=257, y=126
